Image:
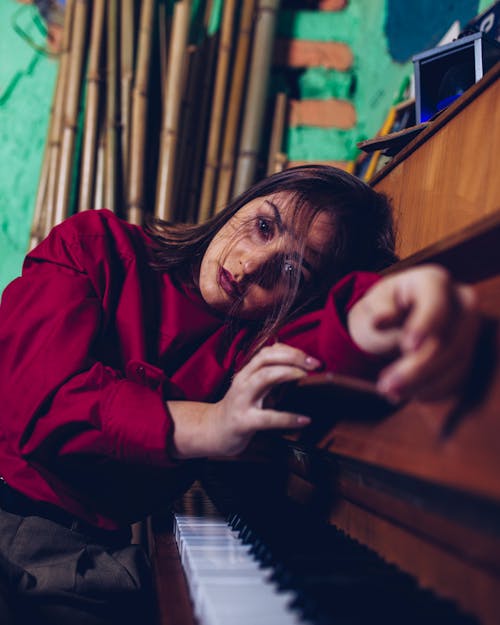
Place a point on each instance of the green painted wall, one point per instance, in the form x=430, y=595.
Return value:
x=27, y=81
x=26, y=85
x=376, y=38
x=371, y=84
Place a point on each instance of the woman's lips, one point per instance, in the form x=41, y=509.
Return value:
x=228, y=283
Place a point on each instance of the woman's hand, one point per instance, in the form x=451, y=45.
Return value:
x=226, y=428
x=427, y=322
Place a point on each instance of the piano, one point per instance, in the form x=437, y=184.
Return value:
x=392, y=519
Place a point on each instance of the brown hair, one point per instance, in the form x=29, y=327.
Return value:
x=362, y=219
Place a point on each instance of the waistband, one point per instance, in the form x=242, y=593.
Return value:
x=15, y=502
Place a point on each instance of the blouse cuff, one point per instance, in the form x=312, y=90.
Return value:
x=139, y=425
x=340, y=352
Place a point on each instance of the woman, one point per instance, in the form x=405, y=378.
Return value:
x=125, y=354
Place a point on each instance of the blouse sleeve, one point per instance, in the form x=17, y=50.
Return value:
x=323, y=333
x=56, y=397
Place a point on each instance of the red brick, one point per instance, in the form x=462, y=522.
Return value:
x=345, y=165
x=331, y=5
x=316, y=5
x=323, y=113
x=300, y=53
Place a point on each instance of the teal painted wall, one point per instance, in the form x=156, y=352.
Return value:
x=383, y=35
x=27, y=81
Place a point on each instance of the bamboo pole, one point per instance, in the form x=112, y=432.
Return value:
x=171, y=113
x=163, y=34
x=204, y=106
x=274, y=159
x=135, y=204
x=89, y=144
x=110, y=173
x=73, y=89
x=99, y=170
x=195, y=105
x=39, y=221
x=127, y=72
x=41, y=197
x=195, y=64
x=234, y=107
x=280, y=162
x=218, y=110
x=52, y=181
x=253, y=118
x=57, y=123
x=205, y=63
x=207, y=16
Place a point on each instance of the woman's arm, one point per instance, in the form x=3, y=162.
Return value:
x=426, y=323
x=419, y=320
x=58, y=399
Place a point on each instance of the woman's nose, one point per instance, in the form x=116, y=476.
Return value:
x=253, y=262
x=249, y=266
x=262, y=269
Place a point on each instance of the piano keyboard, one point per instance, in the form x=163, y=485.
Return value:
x=226, y=584
x=282, y=570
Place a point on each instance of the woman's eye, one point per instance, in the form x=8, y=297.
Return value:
x=293, y=273
x=289, y=270
x=265, y=228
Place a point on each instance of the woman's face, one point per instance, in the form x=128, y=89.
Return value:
x=252, y=259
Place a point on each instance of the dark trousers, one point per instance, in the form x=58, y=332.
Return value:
x=53, y=575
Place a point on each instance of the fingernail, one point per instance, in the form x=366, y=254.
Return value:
x=394, y=398
x=312, y=363
x=389, y=387
x=303, y=420
x=388, y=384
x=412, y=341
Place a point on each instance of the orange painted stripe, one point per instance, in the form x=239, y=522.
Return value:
x=330, y=5
x=315, y=5
x=345, y=165
x=300, y=53
x=322, y=113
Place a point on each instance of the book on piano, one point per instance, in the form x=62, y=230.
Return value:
x=351, y=397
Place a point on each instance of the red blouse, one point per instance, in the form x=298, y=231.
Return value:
x=92, y=343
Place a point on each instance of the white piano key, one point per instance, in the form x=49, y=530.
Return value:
x=254, y=603
x=217, y=548
x=195, y=562
x=201, y=581
x=226, y=585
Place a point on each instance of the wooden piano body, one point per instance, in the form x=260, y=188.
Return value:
x=421, y=486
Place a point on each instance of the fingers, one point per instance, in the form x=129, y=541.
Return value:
x=264, y=379
x=271, y=366
x=242, y=412
x=423, y=375
x=277, y=420
x=409, y=373
x=390, y=311
x=467, y=298
x=436, y=365
x=279, y=353
x=428, y=296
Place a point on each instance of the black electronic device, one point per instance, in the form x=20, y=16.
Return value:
x=444, y=73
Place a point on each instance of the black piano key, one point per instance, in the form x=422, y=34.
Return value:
x=333, y=579
x=247, y=535
x=232, y=518
x=237, y=524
